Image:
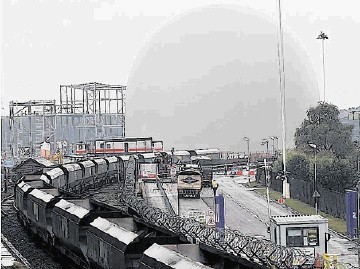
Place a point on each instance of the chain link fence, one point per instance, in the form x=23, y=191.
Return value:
x=330, y=201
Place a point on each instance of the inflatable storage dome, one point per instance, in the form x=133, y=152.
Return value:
x=207, y=78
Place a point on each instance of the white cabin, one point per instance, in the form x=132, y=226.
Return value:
x=306, y=232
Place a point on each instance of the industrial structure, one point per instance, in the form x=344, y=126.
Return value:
x=86, y=111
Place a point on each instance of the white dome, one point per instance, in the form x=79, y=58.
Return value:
x=210, y=77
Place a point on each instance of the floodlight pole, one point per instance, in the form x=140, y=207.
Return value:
x=286, y=189
x=323, y=36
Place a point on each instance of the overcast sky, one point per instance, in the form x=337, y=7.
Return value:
x=48, y=43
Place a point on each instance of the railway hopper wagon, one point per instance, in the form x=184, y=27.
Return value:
x=107, y=244
x=74, y=175
x=40, y=203
x=69, y=221
x=75, y=229
x=101, y=169
x=116, y=168
x=158, y=256
x=189, y=183
x=21, y=191
x=89, y=173
x=57, y=178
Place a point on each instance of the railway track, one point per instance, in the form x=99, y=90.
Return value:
x=11, y=256
x=17, y=247
x=237, y=248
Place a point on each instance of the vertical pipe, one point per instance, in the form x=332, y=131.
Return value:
x=358, y=221
x=83, y=101
x=267, y=180
x=323, y=54
x=315, y=187
x=122, y=111
x=178, y=203
x=60, y=99
x=248, y=159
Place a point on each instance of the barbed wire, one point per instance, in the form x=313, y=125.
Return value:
x=260, y=251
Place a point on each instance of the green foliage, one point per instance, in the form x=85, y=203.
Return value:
x=323, y=128
x=335, y=174
x=298, y=165
x=332, y=173
x=336, y=155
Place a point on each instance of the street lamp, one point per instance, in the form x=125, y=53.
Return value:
x=248, y=156
x=265, y=141
x=316, y=195
x=267, y=180
x=323, y=36
x=275, y=149
x=248, y=148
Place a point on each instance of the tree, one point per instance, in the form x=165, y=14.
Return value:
x=298, y=165
x=335, y=174
x=323, y=128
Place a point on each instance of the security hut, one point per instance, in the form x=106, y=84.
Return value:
x=306, y=232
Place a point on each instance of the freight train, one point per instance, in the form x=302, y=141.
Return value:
x=80, y=176
x=96, y=235
x=80, y=229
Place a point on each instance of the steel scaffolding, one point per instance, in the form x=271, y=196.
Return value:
x=97, y=109
x=86, y=112
x=30, y=124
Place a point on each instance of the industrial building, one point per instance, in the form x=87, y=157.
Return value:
x=85, y=112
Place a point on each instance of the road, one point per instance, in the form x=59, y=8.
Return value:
x=253, y=216
x=245, y=211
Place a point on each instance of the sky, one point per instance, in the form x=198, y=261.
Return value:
x=45, y=44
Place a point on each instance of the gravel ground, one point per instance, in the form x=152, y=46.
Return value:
x=15, y=233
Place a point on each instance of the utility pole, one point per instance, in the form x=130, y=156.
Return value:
x=323, y=36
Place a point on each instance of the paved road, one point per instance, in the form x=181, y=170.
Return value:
x=245, y=211
x=238, y=196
